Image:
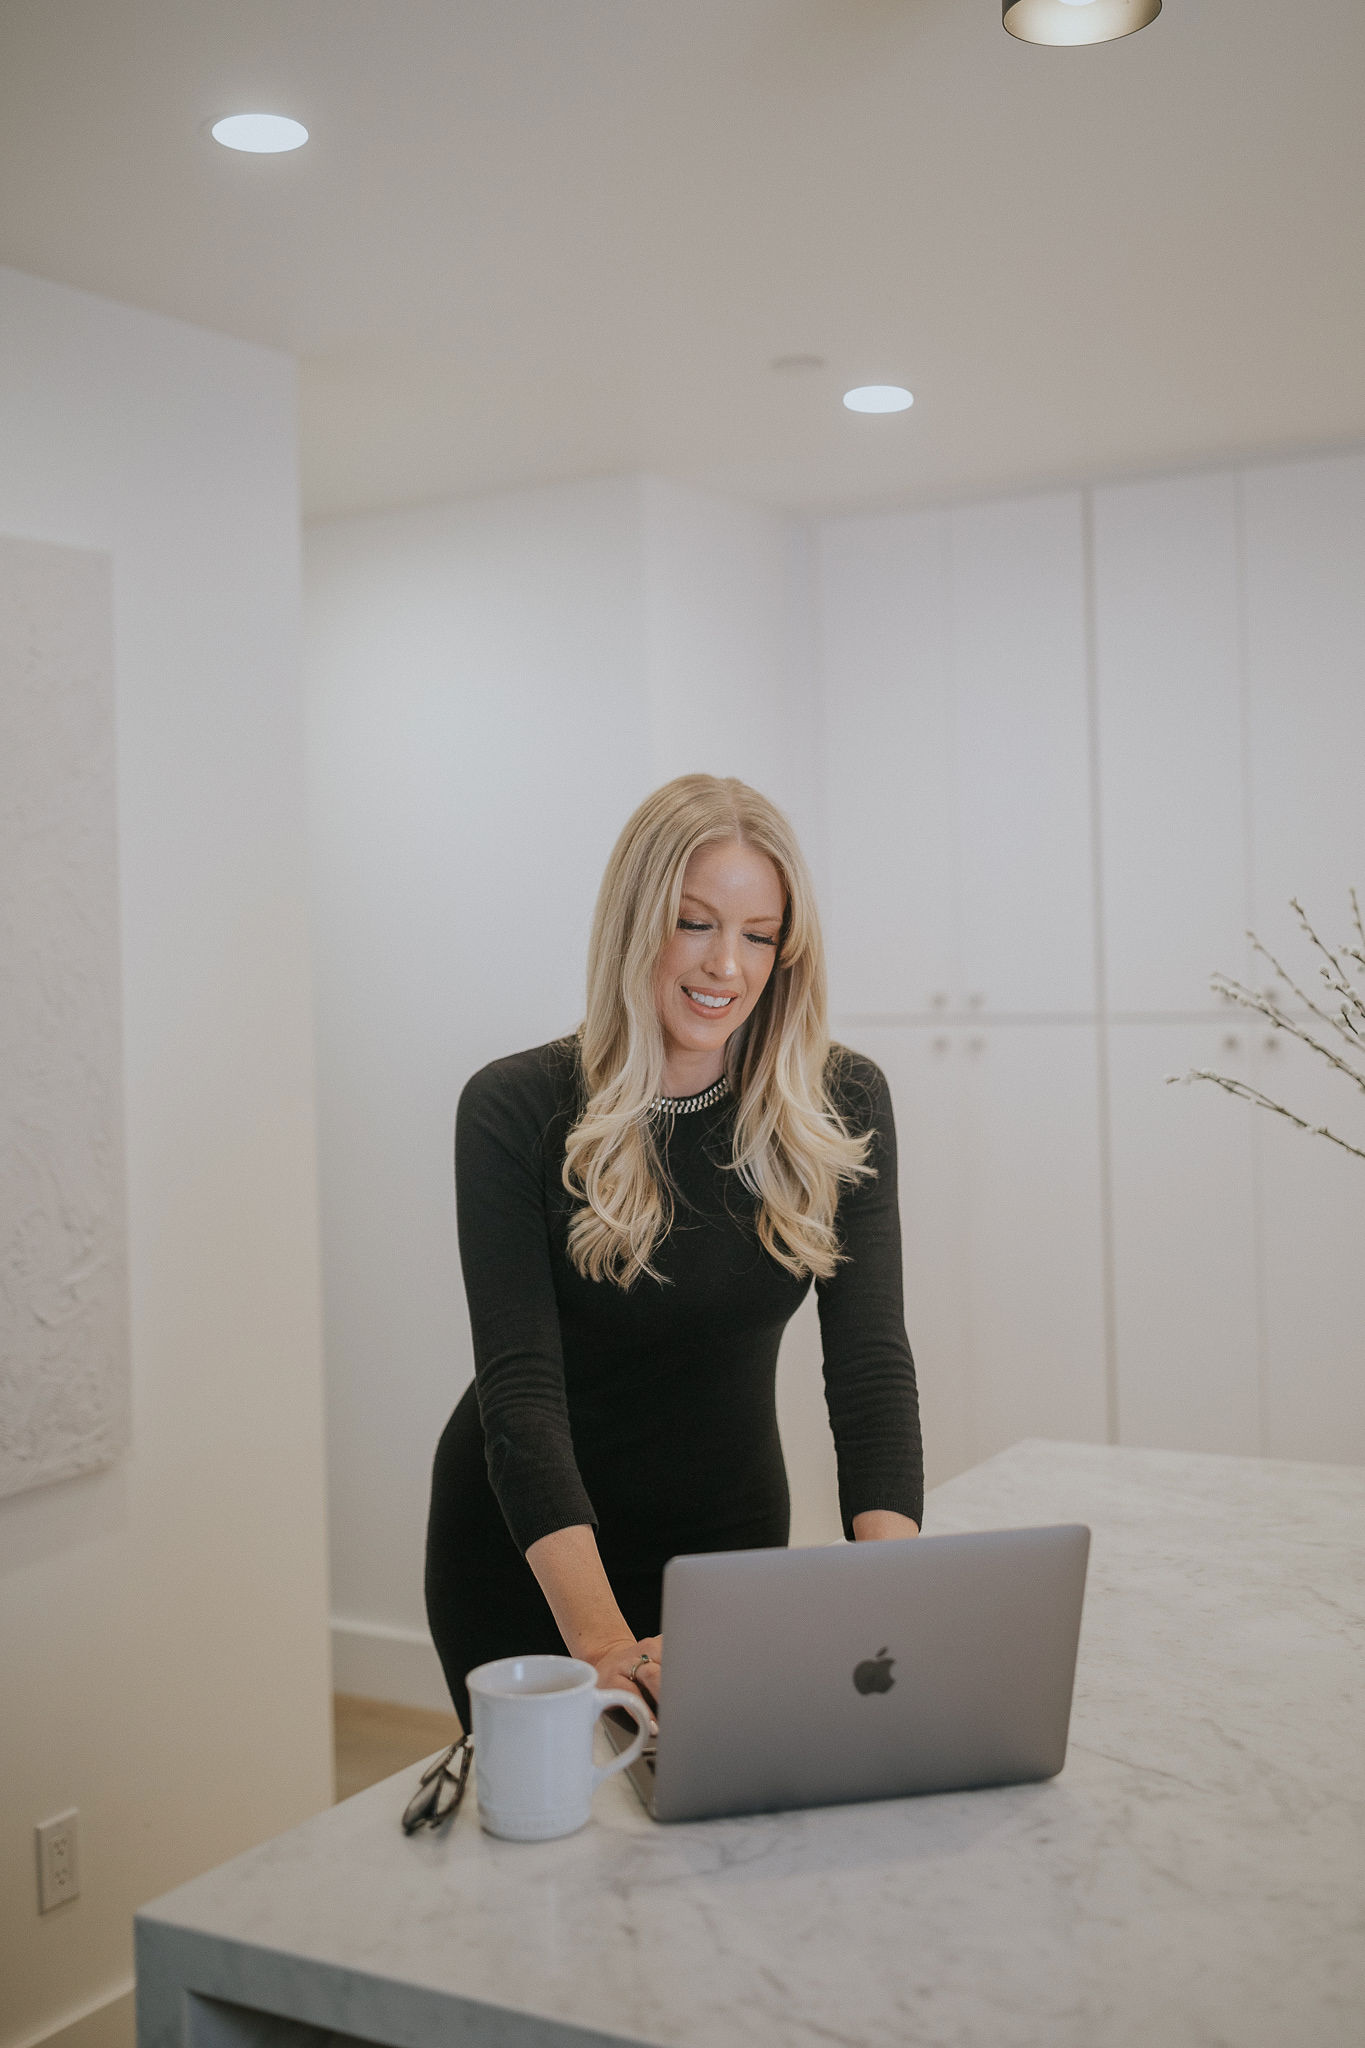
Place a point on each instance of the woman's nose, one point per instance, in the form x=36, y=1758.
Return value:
x=721, y=955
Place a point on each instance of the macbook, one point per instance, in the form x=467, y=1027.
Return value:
x=862, y=1671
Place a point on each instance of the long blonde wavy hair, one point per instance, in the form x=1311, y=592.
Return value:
x=792, y=1148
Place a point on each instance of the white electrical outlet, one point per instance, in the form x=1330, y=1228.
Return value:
x=58, y=1875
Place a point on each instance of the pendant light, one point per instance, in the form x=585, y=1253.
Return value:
x=1077, y=21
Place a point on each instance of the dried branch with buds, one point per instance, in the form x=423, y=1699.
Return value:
x=1346, y=1020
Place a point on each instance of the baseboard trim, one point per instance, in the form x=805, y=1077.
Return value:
x=380, y=1662
x=108, y=2023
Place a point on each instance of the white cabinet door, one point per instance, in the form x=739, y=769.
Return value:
x=891, y=911
x=1187, y=1330
x=1000, y=1208
x=1021, y=737
x=1169, y=703
x=1313, y=1260
x=1305, y=583
x=926, y=1072
x=1035, y=1255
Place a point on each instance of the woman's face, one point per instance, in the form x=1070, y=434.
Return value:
x=717, y=963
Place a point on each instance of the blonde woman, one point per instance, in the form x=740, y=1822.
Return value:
x=642, y=1208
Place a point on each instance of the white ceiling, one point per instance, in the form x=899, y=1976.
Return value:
x=534, y=239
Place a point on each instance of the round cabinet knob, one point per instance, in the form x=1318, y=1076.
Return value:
x=976, y=1002
x=1272, y=1041
x=977, y=1044
x=1231, y=1042
x=941, y=1042
x=938, y=1002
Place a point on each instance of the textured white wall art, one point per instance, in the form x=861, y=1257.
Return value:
x=64, y=1359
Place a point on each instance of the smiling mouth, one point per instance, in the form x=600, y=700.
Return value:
x=712, y=1005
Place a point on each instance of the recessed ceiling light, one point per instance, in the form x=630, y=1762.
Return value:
x=1077, y=21
x=262, y=134
x=878, y=398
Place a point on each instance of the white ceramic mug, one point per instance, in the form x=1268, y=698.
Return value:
x=533, y=1726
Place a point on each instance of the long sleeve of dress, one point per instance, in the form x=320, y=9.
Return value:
x=505, y=1256
x=869, y=1372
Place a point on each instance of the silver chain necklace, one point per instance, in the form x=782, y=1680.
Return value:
x=686, y=1105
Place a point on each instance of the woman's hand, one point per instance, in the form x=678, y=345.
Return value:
x=619, y=1659
x=882, y=1525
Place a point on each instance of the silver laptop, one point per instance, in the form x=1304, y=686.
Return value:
x=862, y=1671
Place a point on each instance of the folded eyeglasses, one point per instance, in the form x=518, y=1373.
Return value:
x=441, y=1789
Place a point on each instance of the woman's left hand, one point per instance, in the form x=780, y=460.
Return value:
x=882, y=1525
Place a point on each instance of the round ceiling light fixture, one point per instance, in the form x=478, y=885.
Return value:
x=878, y=398
x=261, y=134
x=1077, y=21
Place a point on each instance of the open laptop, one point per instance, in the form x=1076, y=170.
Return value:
x=862, y=1671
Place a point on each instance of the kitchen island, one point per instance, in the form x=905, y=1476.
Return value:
x=1194, y=1878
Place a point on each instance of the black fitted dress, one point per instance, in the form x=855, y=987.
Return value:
x=648, y=1412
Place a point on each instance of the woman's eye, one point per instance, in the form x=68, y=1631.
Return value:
x=692, y=924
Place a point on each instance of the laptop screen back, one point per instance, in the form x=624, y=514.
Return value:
x=865, y=1671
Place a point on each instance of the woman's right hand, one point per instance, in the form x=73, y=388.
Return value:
x=568, y=1569
x=619, y=1659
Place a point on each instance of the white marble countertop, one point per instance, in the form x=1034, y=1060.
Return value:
x=1196, y=1875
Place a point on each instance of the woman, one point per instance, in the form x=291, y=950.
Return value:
x=642, y=1208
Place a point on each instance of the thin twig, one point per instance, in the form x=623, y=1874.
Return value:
x=1347, y=1023
x=1360, y=928
x=1325, y=950
x=1334, y=974
x=1342, y=985
x=1249, y=1094
x=1322, y=1015
x=1266, y=1007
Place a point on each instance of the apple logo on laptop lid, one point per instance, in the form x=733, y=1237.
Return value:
x=874, y=1673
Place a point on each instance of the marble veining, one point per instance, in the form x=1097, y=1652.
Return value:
x=1194, y=1877
x=64, y=1366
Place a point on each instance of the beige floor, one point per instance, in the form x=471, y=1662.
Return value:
x=374, y=1739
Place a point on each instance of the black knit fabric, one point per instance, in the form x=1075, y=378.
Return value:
x=649, y=1412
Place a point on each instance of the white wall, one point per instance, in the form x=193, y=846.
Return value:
x=165, y=1665
x=493, y=686
x=478, y=734
x=731, y=648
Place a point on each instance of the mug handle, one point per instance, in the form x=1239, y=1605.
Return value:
x=634, y=1706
